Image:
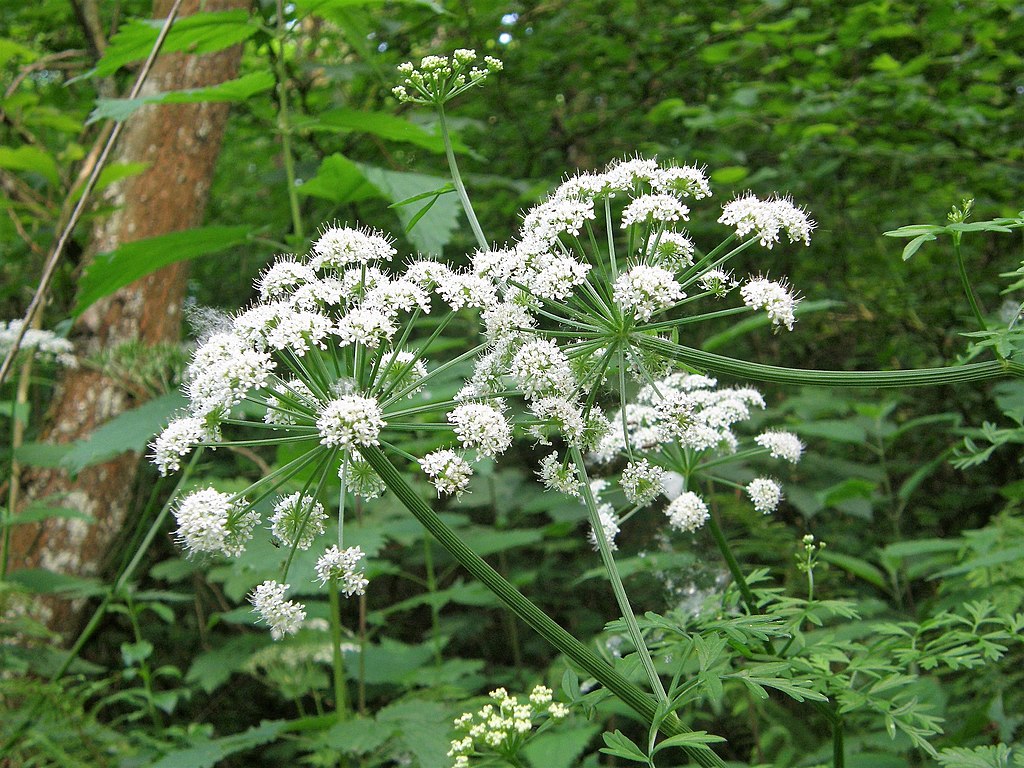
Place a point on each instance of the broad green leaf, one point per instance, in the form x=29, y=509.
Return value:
x=129, y=431
x=112, y=174
x=422, y=728
x=212, y=669
x=358, y=736
x=389, y=661
x=113, y=270
x=339, y=180
x=199, y=33
x=37, y=513
x=832, y=429
x=730, y=174
x=337, y=9
x=560, y=747
x=32, y=159
x=434, y=230
x=206, y=752
x=229, y=91
x=47, y=455
x=44, y=582
x=381, y=124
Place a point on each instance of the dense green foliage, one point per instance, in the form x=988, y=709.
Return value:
x=875, y=115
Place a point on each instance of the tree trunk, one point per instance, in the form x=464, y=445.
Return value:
x=181, y=143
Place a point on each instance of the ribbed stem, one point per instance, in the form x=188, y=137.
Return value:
x=628, y=693
x=916, y=377
x=460, y=188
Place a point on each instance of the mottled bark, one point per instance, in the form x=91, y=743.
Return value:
x=181, y=143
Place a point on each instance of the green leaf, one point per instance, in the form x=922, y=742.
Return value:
x=730, y=174
x=10, y=49
x=134, y=654
x=1009, y=555
x=129, y=431
x=381, y=124
x=212, y=669
x=199, y=33
x=112, y=174
x=113, y=270
x=44, y=582
x=832, y=429
x=336, y=9
x=434, y=230
x=32, y=159
x=560, y=747
x=693, y=739
x=911, y=248
x=358, y=736
x=206, y=752
x=339, y=180
x=858, y=567
x=229, y=91
x=37, y=513
x=620, y=745
x=47, y=455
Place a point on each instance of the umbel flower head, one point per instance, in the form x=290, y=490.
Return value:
x=503, y=726
x=439, y=79
x=330, y=360
x=679, y=434
x=602, y=273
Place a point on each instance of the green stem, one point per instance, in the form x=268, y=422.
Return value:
x=338, y=658
x=284, y=124
x=583, y=657
x=733, y=563
x=966, y=282
x=435, y=613
x=460, y=188
x=917, y=377
x=613, y=576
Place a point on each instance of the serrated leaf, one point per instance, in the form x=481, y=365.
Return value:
x=236, y=90
x=129, y=431
x=113, y=270
x=199, y=33
x=560, y=747
x=434, y=230
x=212, y=669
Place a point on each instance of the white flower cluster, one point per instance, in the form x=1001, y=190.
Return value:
x=212, y=522
x=676, y=426
x=448, y=471
x=767, y=218
x=297, y=520
x=284, y=617
x=349, y=421
x=774, y=297
x=503, y=726
x=44, y=345
x=343, y=566
x=438, y=79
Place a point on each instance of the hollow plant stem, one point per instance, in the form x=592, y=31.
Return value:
x=917, y=377
x=284, y=123
x=630, y=694
x=460, y=188
x=616, y=581
x=337, y=657
x=734, y=566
